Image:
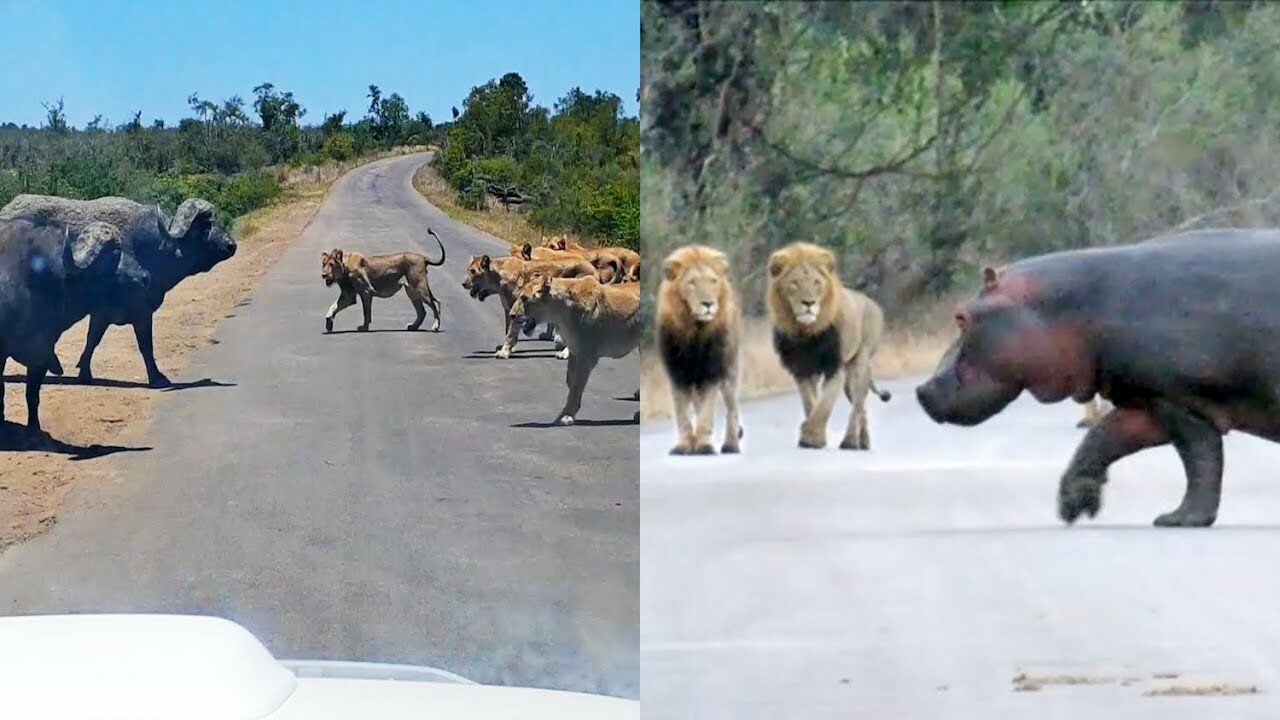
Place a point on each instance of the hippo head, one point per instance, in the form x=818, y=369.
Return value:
x=200, y=239
x=982, y=372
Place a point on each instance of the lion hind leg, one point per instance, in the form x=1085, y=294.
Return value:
x=856, y=386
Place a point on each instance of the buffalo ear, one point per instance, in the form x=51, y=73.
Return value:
x=95, y=240
x=989, y=279
x=193, y=219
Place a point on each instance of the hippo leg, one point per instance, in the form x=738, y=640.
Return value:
x=813, y=431
x=142, y=332
x=1117, y=435
x=97, y=328
x=1199, y=444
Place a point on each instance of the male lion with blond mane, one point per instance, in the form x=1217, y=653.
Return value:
x=699, y=330
x=380, y=276
x=596, y=320
x=823, y=332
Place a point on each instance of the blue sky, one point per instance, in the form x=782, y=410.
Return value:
x=114, y=58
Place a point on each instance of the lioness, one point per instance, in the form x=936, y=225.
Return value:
x=613, y=264
x=501, y=276
x=699, y=329
x=380, y=276
x=596, y=320
x=821, y=331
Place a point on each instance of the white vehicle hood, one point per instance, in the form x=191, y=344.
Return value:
x=161, y=667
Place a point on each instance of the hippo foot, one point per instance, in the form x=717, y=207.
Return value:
x=1078, y=496
x=328, y=325
x=158, y=380
x=1184, y=517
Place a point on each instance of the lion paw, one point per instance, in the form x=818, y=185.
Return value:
x=813, y=443
x=328, y=325
x=704, y=449
x=563, y=354
x=362, y=328
x=565, y=420
x=502, y=353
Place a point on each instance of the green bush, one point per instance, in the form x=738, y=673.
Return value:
x=340, y=146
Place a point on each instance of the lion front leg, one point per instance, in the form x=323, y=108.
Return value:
x=344, y=301
x=681, y=399
x=512, y=332
x=813, y=431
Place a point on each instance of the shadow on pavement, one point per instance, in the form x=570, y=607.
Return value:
x=580, y=423
x=16, y=438
x=129, y=384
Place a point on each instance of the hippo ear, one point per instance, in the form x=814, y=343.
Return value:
x=95, y=241
x=193, y=219
x=989, y=279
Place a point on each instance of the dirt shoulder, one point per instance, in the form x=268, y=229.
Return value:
x=117, y=412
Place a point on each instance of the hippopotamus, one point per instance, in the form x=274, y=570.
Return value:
x=1178, y=332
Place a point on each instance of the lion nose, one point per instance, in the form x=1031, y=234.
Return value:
x=808, y=304
x=708, y=305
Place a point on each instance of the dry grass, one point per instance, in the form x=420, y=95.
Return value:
x=34, y=484
x=904, y=352
x=1024, y=682
x=510, y=225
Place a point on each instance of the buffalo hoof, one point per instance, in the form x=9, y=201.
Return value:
x=159, y=381
x=328, y=325
x=1186, y=518
x=1079, y=496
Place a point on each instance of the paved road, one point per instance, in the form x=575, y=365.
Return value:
x=373, y=496
x=917, y=580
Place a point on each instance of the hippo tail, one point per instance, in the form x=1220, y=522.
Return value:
x=884, y=395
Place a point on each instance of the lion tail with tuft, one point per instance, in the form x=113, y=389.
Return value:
x=884, y=395
x=433, y=234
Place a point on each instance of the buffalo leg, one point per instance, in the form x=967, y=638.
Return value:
x=1199, y=444
x=35, y=378
x=1117, y=435
x=142, y=331
x=97, y=328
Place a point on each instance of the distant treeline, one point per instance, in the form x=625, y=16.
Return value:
x=220, y=153
x=575, y=167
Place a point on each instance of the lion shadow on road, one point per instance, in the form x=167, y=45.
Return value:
x=123, y=384
x=17, y=438
x=371, y=331
x=580, y=422
x=530, y=354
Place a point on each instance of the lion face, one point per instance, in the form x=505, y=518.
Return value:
x=331, y=267
x=804, y=288
x=534, y=289
x=699, y=274
x=802, y=276
x=558, y=242
x=481, y=280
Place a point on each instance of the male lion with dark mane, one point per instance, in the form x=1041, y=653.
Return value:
x=596, y=320
x=823, y=331
x=699, y=330
x=380, y=276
